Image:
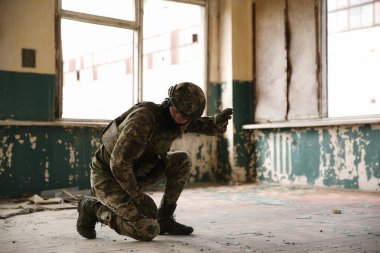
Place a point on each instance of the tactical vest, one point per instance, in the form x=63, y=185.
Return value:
x=111, y=133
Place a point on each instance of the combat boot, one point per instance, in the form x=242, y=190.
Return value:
x=168, y=224
x=87, y=209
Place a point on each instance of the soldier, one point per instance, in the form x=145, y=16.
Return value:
x=135, y=154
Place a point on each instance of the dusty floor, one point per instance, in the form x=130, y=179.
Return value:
x=247, y=218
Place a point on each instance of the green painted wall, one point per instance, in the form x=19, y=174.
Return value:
x=27, y=96
x=223, y=168
x=243, y=114
x=36, y=158
x=242, y=150
x=344, y=156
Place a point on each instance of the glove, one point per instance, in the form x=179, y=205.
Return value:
x=221, y=120
x=146, y=205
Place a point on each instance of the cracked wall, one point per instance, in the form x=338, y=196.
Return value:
x=286, y=59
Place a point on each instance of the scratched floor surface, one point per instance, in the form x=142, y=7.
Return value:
x=246, y=218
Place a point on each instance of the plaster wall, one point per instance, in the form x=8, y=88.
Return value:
x=302, y=60
x=287, y=56
x=27, y=24
x=213, y=41
x=225, y=22
x=242, y=40
x=271, y=61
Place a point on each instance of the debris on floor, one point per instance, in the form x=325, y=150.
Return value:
x=336, y=211
x=58, y=199
x=230, y=219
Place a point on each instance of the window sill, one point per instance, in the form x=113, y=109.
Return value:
x=60, y=122
x=316, y=122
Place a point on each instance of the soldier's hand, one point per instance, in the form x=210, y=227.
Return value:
x=146, y=205
x=221, y=120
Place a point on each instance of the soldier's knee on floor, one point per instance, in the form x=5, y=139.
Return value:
x=147, y=229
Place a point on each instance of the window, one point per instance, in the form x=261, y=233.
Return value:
x=291, y=83
x=97, y=71
x=104, y=69
x=353, y=46
x=118, y=9
x=174, y=51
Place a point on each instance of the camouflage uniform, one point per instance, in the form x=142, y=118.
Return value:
x=135, y=154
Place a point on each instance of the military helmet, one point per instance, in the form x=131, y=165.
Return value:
x=188, y=99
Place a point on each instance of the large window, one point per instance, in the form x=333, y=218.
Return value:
x=174, y=47
x=111, y=59
x=353, y=57
x=97, y=70
x=326, y=66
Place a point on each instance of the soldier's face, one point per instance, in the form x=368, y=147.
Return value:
x=179, y=118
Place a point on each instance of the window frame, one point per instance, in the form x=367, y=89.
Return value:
x=136, y=26
x=323, y=120
x=351, y=6
x=357, y=119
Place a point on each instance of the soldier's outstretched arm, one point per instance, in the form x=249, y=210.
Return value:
x=211, y=125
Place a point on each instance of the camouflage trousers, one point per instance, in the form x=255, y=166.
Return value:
x=118, y=210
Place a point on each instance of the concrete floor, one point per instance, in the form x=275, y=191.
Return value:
x=246, y=218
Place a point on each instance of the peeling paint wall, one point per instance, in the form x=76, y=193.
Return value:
x=231, y=84
x=37, y=158
x=346, y=156
x=202, y=151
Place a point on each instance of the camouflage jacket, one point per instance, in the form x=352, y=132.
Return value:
x=144, y=129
